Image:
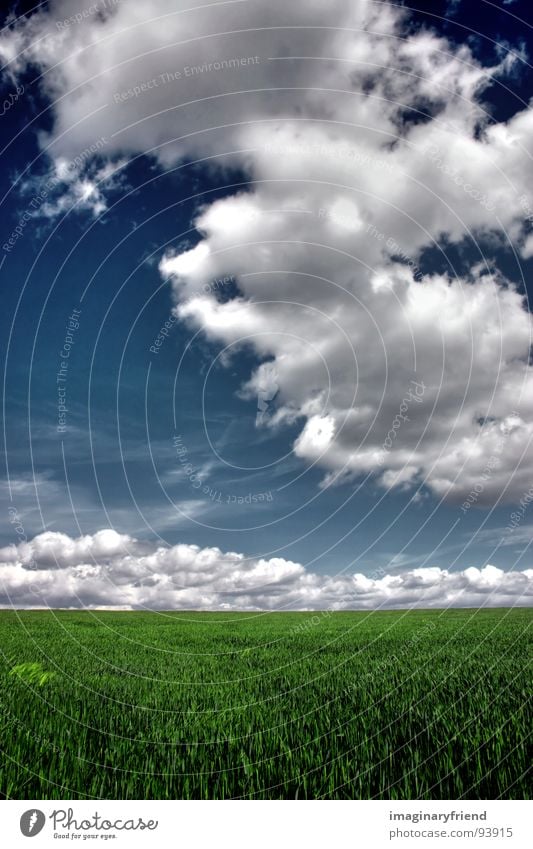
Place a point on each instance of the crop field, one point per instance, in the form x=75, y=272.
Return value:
x=391, y=705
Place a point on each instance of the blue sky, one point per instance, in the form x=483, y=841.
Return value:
x=260, y=353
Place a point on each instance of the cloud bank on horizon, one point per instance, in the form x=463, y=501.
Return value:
x=112, y=570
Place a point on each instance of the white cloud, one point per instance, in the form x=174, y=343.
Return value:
x=109, y=569
x=349, y=190
x=57, y=550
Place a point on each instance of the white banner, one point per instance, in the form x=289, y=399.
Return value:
x=264, y=824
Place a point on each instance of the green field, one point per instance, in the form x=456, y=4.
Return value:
x=393, y=705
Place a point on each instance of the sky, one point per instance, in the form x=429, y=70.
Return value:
x=265, y=331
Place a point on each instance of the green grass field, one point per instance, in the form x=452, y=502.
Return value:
x=394, y=705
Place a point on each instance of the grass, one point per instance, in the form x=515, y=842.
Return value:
x=391, y=705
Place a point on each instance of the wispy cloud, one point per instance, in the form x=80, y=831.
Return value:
x=108, y=569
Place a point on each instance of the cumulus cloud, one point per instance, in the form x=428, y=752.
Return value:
x=115, y=570
x=367, y=144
